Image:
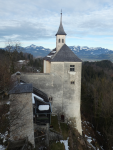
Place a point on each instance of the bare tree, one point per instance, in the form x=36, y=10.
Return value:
x=8, y=63
x=5, y=75
x=13, y=52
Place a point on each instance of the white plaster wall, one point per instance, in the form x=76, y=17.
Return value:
x=44, y=66
x=48, y=66
x=59, y=45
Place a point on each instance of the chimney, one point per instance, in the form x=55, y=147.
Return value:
x=18, y=74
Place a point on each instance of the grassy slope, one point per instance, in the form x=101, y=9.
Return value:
x=57, y=146
x=65, y=130
x=54, y=123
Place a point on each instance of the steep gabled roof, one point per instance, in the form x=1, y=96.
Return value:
x=50, y=55
x=65, y=55
x=22, y=88
x=37, y=92
x=61, y=29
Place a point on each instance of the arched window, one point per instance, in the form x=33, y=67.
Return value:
x=62, y=40
x=59, y=40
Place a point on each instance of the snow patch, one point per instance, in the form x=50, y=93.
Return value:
x=21, y=83
x=89, y=139
x=49, y=56
x=53, y=52
x=3, y=136
x=21, y=61
x=98, y=132
x=8, y=102
x=2, y=147
x=65, y=144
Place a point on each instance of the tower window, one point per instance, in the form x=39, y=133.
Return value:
x=59, y=40
x=72, y=67
x=62, y=40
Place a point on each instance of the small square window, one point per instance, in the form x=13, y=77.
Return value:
x=72, y=82
x=72, y=67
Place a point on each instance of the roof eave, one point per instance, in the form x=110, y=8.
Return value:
x=60, y=34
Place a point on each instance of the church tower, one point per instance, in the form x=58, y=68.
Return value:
x=61, y=80
x=60, y=36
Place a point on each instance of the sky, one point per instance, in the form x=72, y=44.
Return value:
x=86, y=22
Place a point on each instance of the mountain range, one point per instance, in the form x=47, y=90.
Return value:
x=85, y=53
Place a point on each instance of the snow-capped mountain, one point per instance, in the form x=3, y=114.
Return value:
x=78, y=50
x=84, y=52
x=37, y=50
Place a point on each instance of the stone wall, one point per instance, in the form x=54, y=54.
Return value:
x=21, y=117
x=66, y=97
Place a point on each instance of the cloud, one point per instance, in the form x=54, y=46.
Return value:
x=39, y=19
x=24, y=31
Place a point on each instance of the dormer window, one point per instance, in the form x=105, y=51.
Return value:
x=62, y=40
x=72, y=67
x=59, y=40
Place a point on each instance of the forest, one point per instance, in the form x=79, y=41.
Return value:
x=96, y=90
x=97, y=98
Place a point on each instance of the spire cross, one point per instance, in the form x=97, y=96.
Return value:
x=61, y=11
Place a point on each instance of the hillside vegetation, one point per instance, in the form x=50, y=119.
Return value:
x=97, y=98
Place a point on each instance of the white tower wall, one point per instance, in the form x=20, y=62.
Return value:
x=60, y=44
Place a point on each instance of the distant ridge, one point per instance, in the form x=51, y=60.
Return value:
x=84, y=52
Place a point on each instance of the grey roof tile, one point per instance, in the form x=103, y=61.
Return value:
x=65, y=55
x=48, y=58
x=38, y=92
x=61, y=30
x=21, y=88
